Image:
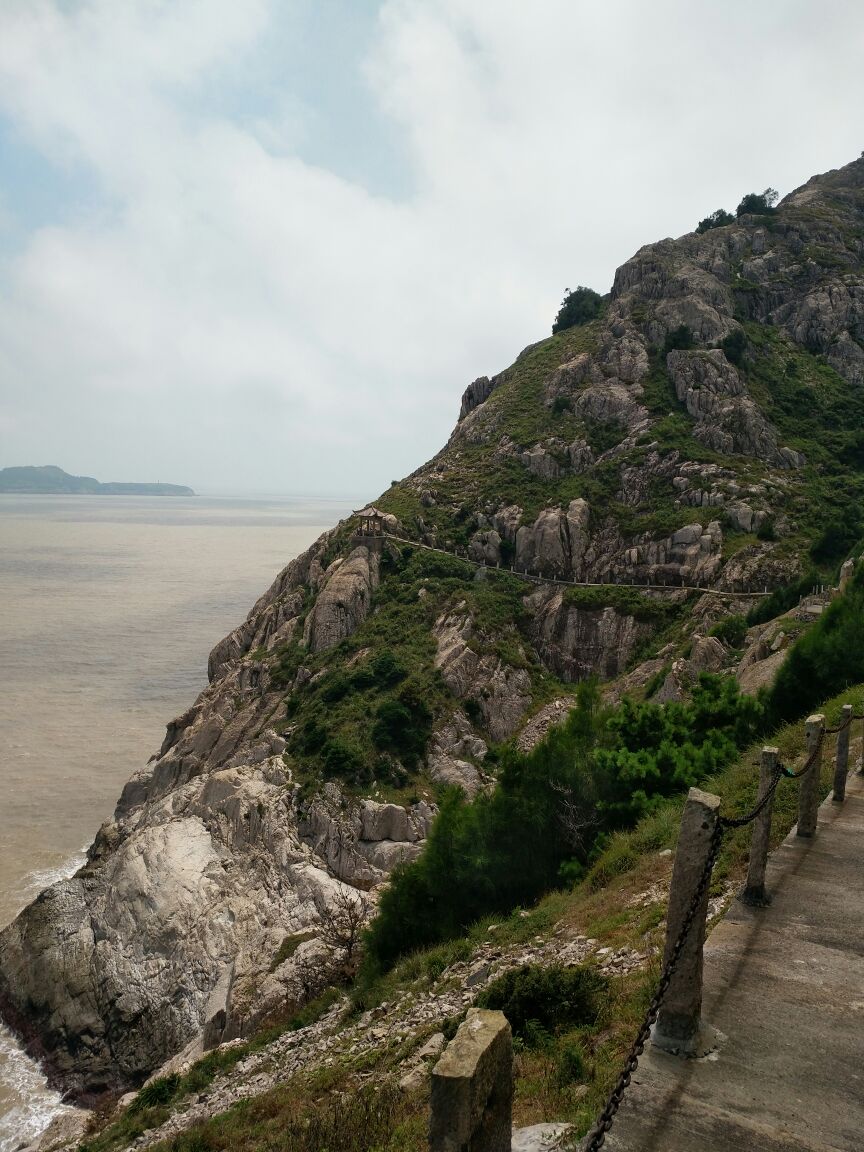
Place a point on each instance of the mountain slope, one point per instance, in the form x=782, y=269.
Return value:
x=702, y=432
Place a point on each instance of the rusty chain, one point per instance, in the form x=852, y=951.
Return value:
x=597, y=1136
x=742, y=821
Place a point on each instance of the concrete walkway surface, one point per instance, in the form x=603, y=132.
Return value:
x=784, y=987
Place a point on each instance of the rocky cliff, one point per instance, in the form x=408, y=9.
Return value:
x=702, y=434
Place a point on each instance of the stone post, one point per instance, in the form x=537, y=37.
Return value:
x=841, y=763
x=679, y=1027
x=472, y=1087
x=846, y=573
x=808, y=793
x=754, y=892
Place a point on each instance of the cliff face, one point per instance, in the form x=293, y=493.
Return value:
x=702, y=432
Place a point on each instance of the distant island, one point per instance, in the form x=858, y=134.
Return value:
x=50, y=481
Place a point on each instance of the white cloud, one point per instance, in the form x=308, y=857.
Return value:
x=231, y=316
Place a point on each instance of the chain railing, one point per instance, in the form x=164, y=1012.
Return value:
x=597, y=1136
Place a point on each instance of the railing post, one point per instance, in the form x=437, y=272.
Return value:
x=841, y=762
x=472, y=1087
x=679, y=1027
x=754, y=891
x=808, y=794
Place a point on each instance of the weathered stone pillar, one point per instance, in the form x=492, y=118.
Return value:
x=679, y=1027
x=808, y=794
x=472, y=1087
x=754, y=891
x=846, y=573
x=841, y=762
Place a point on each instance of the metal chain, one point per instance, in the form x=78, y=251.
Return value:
x=597, y=1136
x=741, y=821
x=813, y=757
x=840, y=728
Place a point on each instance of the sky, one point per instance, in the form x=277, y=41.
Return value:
x=263, y=247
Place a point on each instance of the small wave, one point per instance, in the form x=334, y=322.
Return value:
x=41, y=878
x=27, y=1104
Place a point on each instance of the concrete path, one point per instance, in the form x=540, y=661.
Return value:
x=784, y=986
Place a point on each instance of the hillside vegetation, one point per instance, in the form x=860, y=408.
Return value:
x=572, y=1026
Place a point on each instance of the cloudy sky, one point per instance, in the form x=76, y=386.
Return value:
x=263, y=246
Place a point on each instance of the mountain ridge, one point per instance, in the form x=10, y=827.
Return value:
x=49, y=480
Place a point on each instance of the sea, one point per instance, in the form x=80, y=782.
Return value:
x=109, y=606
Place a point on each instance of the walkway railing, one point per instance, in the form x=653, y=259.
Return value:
x=675, y=1010
x=536, y=578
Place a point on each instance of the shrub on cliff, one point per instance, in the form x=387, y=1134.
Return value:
x=716, y=220
x=758, y=203
x=599, y=771
x=782, y=599
x=551, y=1000
x=679, y=338
x=825, y=660
x=578, y=307
x=731, y=631
x=734, y=346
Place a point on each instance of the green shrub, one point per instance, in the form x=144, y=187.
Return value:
x=578, y=307
x=660, y=750
x=840, y=534
x=570, y=1065
x=604, y=434
x=758, y=203
x=539, y=1000
x=782, y=599
x=734, y=346
x=386, y=667
x=731, y=631
x=336, y=685
x=679, y=338
x=345, y=760
x=159, y=1091
x=717, y=219
x=596, y=772
x=402, y=725
x=826, y=659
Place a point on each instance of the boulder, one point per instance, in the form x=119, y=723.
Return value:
x=344, y=600
x=502, y=692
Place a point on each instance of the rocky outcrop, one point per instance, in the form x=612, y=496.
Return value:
x=555, y=544
x=501, y=693
x=361, y=843
x=343, y=601
x=453, y=754
x=477, y=393
x=169, y=930
x=275, y=615
x=553, y=458
x=726, y=418
x=692, y=555
x=576, y=642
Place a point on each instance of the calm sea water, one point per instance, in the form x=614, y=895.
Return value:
x=109, y=607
